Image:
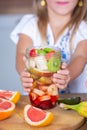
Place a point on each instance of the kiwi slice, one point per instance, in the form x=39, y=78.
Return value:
x=53, y=64
x=48, y=49
x=41, y=52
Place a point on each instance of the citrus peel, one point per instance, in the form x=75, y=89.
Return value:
x=6, y=108
x=13, y=96
x=36, y=116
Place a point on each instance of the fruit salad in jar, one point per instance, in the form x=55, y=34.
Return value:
x=41, y=63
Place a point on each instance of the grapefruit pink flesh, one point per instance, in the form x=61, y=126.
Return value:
x=5, y=94
x=6, y=108
x=36, y=116
x=33, y=114
x=5, y=105
x=13, y=96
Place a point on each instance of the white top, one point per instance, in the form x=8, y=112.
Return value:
x=28, y=26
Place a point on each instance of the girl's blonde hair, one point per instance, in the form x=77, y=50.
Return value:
x=79, y=14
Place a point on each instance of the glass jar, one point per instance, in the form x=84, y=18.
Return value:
x=42, y=63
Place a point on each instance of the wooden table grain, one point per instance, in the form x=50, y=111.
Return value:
x=17, y=122
x=83, y=98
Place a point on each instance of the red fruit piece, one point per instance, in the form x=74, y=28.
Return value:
x=49, y=55
x=54, y=98
x=33, y=96
x=33, y=52
x=45, y=104
x=36, y=102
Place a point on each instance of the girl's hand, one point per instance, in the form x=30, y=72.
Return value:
x=26, y=81
x=62, y=77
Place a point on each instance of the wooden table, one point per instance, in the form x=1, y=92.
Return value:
x=17, y=122
x=83, y=98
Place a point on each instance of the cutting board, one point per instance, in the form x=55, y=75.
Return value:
x=63, y=119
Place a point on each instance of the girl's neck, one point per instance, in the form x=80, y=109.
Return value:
x=58, y=19
x=57, y=22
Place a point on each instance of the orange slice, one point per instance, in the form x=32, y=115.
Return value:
x=37, y=117
x=13, y=96
x=6, y=108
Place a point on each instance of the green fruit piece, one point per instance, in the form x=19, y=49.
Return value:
x=70, y=101
x=41, y=52
x=48, y=49
x=53, y=64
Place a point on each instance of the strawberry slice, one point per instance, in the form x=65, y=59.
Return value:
x=33, y=53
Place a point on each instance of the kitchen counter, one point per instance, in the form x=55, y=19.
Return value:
x=17, y=122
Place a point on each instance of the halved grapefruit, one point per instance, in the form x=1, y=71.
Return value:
x=6, y=108
x=36, y=116
x=10, y=95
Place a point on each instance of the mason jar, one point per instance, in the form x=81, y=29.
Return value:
x=42, y=63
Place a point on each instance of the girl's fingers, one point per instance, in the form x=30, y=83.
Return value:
x=61, y=78
x=25, y=74
x=61, y=75
x=24, y=84
x=58, y=76
x=60, y=86
x=27, y=86
x=26, y=80
x=64, y=65
x=59, y=81
x=26, y=89
x=63, y=72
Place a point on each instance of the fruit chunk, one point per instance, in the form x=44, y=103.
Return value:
x=45, y=102
x=52, y=90
x=41, y=63
x=13, y=96
x=33, y=52
x=6, y=108
x=38, y=92
x=49, y=55
x=41, y=52
x=40, y=73
x=53, y=64
x=36, y=116
x=45, y=80
x=44, y=98
x=47, y=49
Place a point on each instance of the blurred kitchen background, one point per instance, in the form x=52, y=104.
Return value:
x=11, y=11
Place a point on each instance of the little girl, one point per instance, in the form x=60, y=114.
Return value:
x=61, y=24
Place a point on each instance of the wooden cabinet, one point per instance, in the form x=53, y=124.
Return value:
x=16, y=6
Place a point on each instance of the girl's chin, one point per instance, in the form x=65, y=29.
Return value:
x=63, y=12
